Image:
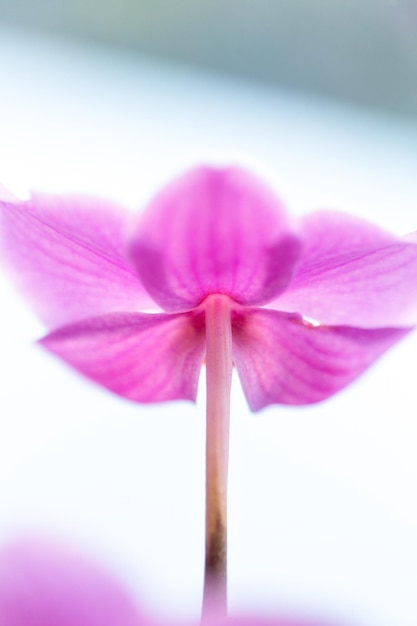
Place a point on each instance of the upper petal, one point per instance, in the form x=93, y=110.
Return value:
x=283, y=360
x=214, y=231
x=67, y=256
x=142, y=357
x=353, y=273
x=45, y=584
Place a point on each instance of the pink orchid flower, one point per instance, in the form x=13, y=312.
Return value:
x=45, y=584
x=219, y=236
x=301, y=309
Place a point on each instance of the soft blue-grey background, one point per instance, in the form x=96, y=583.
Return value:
x=323, y=507
x=361, y=50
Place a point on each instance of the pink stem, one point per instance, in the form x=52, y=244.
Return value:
x=219, y=378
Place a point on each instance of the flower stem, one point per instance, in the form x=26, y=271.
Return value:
x=219, y=378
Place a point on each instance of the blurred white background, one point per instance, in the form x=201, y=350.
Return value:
x=323, y=504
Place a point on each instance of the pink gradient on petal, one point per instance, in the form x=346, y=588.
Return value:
x=259, y=621
x=141, y=357
x=66, y=254
x=46, y=584
x=214, y=231
x=410, y=237
x=281, y=359
x=353, y=273
x=6, y=195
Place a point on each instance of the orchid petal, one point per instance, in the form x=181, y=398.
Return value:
x=66, y=254
x=259, y=621
x=282, y=359
x=6, y=195
x=43, y=584
x=353, y=273
x=214, y=231
x=142, y=357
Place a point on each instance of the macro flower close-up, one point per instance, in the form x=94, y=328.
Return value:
x=208, y=287
x=310, y=303
x=213, y=271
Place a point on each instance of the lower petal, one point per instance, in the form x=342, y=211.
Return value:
x=142, y=357
x=281, y=359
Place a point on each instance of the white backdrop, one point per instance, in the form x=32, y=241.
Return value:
x=323, y=500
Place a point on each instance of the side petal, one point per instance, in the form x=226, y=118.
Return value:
x=46, y=584
x=142, y=357
x=353, y=273
x=283, y=360
x=214, y=231
x=66, y=255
